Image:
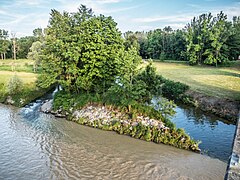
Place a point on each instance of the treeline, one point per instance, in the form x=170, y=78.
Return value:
x=12, y=47
x=205, y=40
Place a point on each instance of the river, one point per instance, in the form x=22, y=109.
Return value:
x=34, y=145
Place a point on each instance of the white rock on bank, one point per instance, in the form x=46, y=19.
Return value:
x=47, y=106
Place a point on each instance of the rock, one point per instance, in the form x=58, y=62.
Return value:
x=38, y=101
x=161, y=125
x=145, y=123
x=9, y=100
x=154, y=123
x=134, y=123
x=47, y=106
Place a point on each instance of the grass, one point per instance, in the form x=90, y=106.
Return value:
x=26, y=77
x=20, y=65
x=222, y=82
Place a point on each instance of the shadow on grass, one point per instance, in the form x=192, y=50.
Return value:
x=219, y=92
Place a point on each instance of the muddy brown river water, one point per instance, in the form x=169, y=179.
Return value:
x=34, y=145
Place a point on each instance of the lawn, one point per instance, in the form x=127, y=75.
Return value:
x=24, y=65
x=223, y=82
x=27, y=78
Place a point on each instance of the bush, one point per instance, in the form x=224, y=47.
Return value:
x=173, y=89
x=15, y=85
x=152, y=80
x=2, y=92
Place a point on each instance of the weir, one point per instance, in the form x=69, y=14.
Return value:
x=233, y=171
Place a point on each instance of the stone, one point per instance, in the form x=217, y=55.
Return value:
x=9, y=100
x=47, y=106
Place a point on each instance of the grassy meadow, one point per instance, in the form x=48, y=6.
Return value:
x=26, y=77
x=23, y=68
x=223, y=82
x=19, y=65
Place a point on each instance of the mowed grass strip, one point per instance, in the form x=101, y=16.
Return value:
x=218, y=82
x=24, y=65
x=27, y=78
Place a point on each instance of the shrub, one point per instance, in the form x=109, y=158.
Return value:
x=15, y=85
x=174, y=89
x=2, y=92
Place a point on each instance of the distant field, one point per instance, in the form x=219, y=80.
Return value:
x=27, y=78
x=24, y=65
x=220, y=82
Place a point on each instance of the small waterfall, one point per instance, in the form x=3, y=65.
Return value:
x=31, y=111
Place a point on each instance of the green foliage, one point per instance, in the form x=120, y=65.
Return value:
x=35, y=54
x=160, y=44
x=84, y=51
x=174, y=89
x=65, y=101
x=208, y=39
x=23, y=46
x=3, y=92
x=15, y=85
x=152, y=80
x=165, y=106
x=28, y=94
x=4, y=43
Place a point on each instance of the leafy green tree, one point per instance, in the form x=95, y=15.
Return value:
x=23, y=46
x=197, y=38
x=84, y=51
x=232, y=47
x=35, y=53
x=218, y=36
x=131, y=40
x=4, y=43
x=38, y=34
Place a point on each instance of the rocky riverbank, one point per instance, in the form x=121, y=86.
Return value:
x=140, y=127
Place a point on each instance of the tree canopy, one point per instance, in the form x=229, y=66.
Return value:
x=84, y=51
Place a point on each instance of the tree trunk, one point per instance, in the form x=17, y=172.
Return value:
x=14, y=49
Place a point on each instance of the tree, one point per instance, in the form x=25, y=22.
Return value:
x=232, y=48
x=131, y=40
x=35, y=53
x=218, y=36
x=197, y=38
x=23, y=46
x=38, y=34
x=4, y=43
x=84, y=51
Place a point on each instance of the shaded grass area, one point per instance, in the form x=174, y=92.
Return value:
x=20, y=65
x=222, y=82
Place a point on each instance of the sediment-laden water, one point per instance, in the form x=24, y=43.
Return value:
x=34, y=145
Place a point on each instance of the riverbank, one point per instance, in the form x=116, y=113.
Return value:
x=112, y=119
x=221, y=107
x=215, y=90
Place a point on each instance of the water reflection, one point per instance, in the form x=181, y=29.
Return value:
x=215, y=133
